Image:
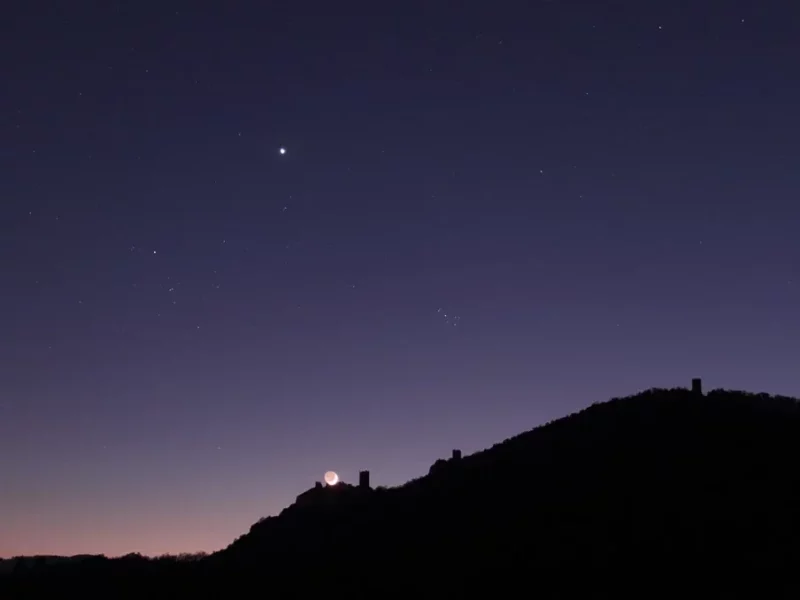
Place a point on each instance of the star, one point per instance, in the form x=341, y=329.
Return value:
x=282, y=150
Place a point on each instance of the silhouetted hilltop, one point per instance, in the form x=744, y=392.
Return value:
x=665, y=479
x=669, y=468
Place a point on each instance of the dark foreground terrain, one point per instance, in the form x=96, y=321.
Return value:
x=667, y=489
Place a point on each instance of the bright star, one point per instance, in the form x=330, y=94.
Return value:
x=282, y=150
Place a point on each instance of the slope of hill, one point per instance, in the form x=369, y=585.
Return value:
x=664, y=479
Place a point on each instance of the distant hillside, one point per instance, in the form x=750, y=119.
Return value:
x=35, y=562
x=664, y=479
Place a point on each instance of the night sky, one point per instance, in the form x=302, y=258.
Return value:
x=488, y=215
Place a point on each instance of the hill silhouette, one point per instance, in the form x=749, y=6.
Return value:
x=669, y=481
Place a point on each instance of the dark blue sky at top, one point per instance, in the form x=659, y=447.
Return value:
x=489, y=215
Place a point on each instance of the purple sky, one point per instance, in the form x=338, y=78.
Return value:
x=486, y=218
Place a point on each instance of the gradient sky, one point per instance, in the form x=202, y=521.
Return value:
x=489, y=215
